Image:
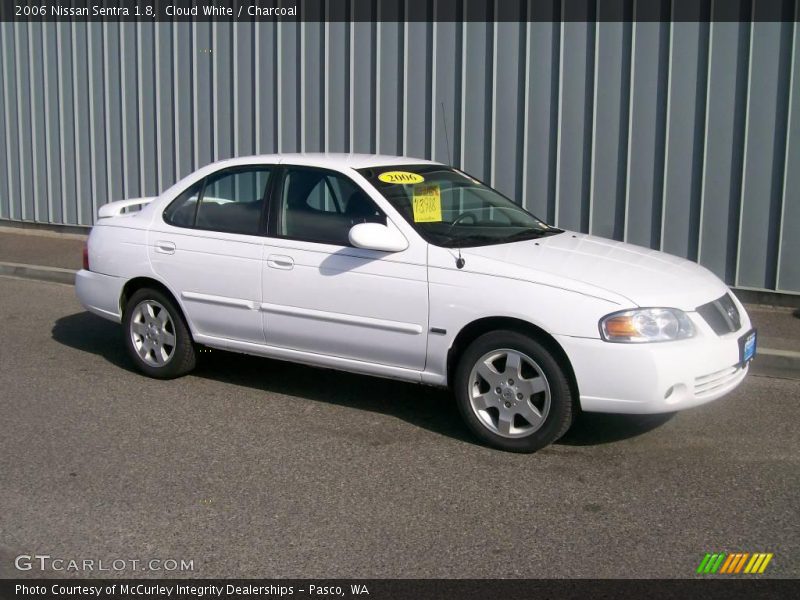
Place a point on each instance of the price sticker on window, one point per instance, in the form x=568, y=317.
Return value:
x=427, y=203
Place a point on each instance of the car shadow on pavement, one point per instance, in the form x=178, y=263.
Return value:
x=591, y=429
x=422, y=406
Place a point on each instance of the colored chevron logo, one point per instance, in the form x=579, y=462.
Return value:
x=734, y=562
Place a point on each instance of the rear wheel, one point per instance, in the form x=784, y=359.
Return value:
x=156, y=336
x=512, y=392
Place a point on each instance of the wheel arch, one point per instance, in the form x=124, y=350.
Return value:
x=477, y=328
x=137, y=283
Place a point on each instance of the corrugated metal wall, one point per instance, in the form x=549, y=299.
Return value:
x=678, y=136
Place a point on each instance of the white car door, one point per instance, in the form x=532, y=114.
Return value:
x=321, y=295
x=208, y=248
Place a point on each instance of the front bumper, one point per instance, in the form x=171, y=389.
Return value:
x=658, y=377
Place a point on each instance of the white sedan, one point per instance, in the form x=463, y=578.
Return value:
x=413, y=270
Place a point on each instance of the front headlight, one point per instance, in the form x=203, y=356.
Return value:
x=646, y=325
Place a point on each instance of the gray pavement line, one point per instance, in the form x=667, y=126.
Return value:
x=4, y=276
x=769, y=308
x=781, y=353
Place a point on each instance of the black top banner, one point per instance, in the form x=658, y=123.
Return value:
x=396, y=589
x=399, y=10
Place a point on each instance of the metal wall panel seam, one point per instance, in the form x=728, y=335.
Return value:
x=703, y=174
x=256, y=89
x=404, y=97
x=347, y=133
x=235, y=86
x=463, y=112
x=631, y=87
x=556, y=211
x=5, y=111
x=525, y=118
x=7, y=105
x=376, y=80
x=493, y=108
x=665, y=162
x=32, y=104
x=60, y=78
x=402, y=32
x=176, y=140
x=92, y=145
x=213, y=130
x=458, y=130
x=278, y=80
x=784, y=190
x=625, y=122
x=302, y=75
x=744, y=152
x=47, y=135
x=352, y=91
x=107, y=114
x=79, y=191
x=21, y=159
x=193, y=72
x=703, y=141
x=123, y=112
x=326, y=83
x=594, y=128
x=374, y=69
x=157, y=115
x=434, y=61
x=139, y=106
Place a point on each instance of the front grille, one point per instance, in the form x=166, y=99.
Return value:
x=721, y=315
x=708, y=384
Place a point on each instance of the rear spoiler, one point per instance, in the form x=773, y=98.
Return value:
x=115, y=209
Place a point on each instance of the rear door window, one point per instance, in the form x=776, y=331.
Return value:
x=231, y=201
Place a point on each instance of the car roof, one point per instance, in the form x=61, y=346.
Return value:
x=328, y=159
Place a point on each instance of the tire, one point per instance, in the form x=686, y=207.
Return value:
x=517, y=409
x=160, y=345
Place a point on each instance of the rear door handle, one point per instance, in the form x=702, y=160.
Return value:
x=278, y=261
x=165, y=247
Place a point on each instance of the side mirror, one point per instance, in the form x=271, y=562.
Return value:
x=374, y=236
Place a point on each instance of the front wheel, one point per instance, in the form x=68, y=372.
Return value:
x=512, y=392
x=156, y=336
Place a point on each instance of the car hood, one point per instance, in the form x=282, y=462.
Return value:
x=574, y=261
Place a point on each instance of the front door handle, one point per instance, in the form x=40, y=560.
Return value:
x=279, y=261
x=165, y=247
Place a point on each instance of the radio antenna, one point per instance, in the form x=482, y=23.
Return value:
x=446, y=137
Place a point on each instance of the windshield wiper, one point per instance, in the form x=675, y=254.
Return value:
x=478, y=239
x=470, y=239
x=527, y=234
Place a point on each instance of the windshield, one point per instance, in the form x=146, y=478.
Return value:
x=449, y=208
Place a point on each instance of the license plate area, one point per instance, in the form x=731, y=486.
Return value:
x=747, y=347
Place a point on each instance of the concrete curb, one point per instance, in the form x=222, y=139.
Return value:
x=776, y=363
x=768, y=362
x=51, y=274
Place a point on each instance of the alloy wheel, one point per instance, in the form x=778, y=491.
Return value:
x=509, y=393
x=152, y=333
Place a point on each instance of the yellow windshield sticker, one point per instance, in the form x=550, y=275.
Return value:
x=400, y=177
x=427, y=204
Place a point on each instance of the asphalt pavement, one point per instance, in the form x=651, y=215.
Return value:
x=257, y=468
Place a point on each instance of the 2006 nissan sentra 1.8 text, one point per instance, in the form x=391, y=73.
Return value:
x=409, y=269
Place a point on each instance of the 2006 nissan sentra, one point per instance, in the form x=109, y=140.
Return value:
x=409, y=269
